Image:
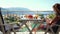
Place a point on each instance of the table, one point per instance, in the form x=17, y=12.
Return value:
x=24, y=23
x=36, y=20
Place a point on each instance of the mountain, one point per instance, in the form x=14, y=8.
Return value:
x=15, y=9
x=20, y=11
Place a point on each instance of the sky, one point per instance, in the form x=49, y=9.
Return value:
x=34, y=5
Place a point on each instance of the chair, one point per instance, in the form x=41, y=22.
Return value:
x=56, y=20
x=48, y=26
x=3, y=26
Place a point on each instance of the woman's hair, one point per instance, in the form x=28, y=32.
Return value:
x=56, y=8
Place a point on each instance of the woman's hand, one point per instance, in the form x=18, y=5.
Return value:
x=48, y=20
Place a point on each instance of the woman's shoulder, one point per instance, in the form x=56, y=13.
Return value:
x=57, y=18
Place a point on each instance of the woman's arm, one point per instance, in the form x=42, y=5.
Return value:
x=54, y=20
x=57, y=10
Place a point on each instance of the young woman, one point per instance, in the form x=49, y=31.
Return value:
x=56, y=20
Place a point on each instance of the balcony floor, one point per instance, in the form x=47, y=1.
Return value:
x=27, y=33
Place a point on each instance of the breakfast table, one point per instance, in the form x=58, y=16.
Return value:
x=37, y=21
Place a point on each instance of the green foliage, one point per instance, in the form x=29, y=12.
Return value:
x=52, y=16
x=10, y=19
x=42, y=16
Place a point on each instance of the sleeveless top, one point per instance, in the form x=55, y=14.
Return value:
x=58, y=22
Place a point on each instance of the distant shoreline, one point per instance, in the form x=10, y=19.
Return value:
x=27, y=12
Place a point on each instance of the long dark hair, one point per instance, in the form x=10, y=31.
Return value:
x=56, y=8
